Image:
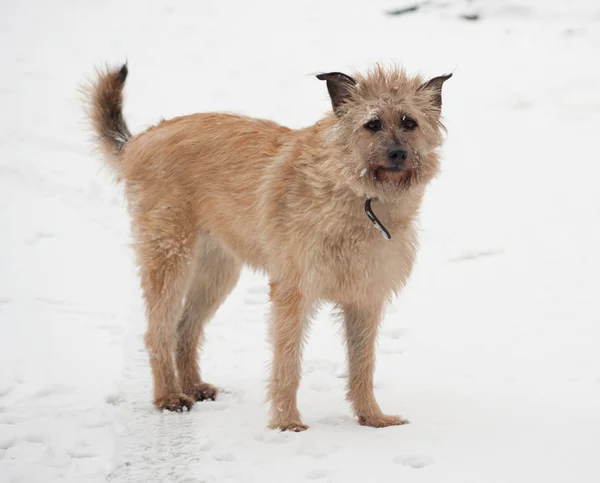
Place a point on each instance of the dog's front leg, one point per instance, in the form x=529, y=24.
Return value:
x=361, y=326
x=289, y=320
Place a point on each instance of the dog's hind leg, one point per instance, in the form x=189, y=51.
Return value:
x=216, y=272
x=164, y=247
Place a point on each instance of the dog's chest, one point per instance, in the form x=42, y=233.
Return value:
x=350, y=268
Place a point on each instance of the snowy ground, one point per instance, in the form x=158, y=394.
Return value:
x=492, y=351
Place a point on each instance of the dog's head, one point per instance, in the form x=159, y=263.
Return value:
x=388, y=126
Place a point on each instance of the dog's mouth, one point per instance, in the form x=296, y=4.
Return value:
x=385, y=174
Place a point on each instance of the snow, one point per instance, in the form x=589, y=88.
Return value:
x=491, y=351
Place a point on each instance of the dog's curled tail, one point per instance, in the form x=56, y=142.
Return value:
x=104, y=106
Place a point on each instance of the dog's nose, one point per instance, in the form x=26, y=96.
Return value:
x=396, y=156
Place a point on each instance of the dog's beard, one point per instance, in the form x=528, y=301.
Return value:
x=392, y=181
x=373, y=179
x=390, y=175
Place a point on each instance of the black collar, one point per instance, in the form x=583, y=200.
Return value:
x=375, y=220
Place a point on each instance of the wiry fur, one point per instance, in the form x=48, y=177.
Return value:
x=104, y=108
x=209, y=193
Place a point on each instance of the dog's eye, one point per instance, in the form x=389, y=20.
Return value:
x=374, y=125
x=408, y=123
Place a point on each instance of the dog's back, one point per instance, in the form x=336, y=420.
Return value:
x=172, y=168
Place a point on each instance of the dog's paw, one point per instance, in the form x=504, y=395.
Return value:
x=291, y=423
x=203, y=392
x=293, y=426
x=381, y=421
x=174, y=402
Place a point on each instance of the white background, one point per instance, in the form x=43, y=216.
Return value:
x=492, y=351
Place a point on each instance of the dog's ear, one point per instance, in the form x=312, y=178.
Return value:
x=340, y=86
x=435, y=85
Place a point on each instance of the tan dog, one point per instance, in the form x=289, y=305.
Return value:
x=208, y=193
